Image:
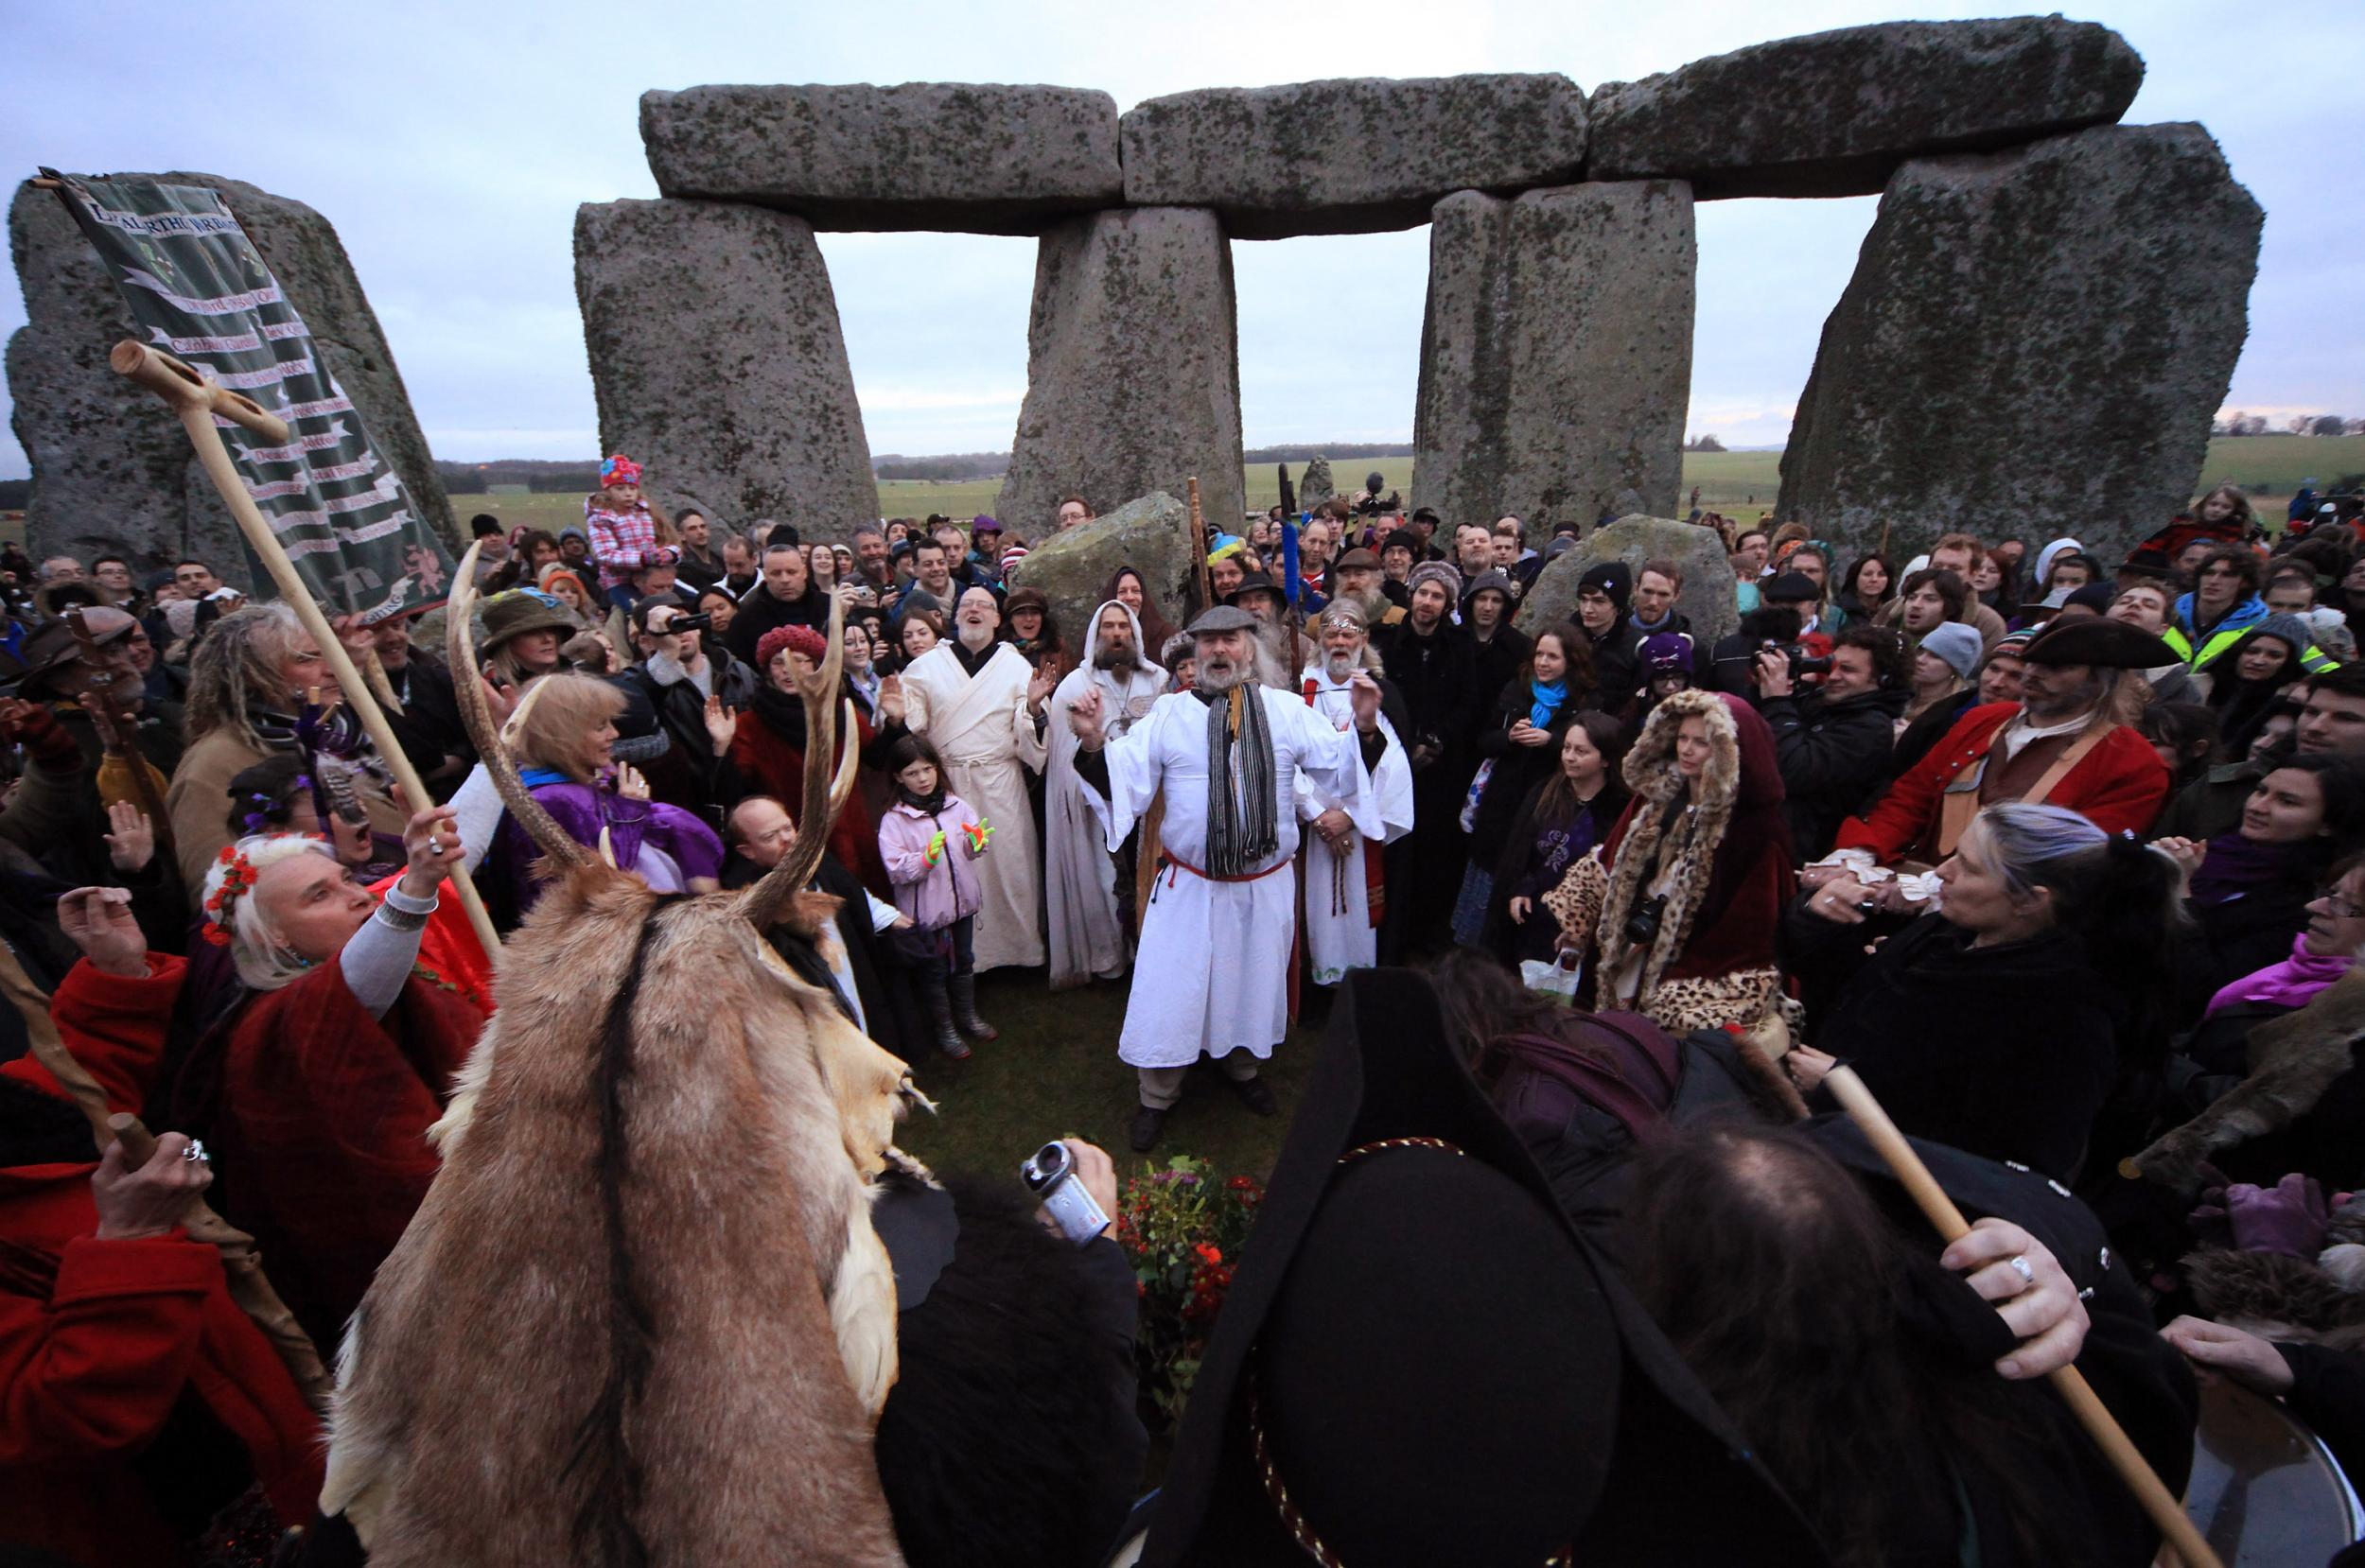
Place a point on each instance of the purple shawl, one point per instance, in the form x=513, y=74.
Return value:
x=2292, y=983
x=582, y=810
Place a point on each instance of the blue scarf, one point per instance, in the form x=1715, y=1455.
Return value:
x=534, y=778
x=1544, y=701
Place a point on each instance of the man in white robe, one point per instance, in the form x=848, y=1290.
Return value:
x=1082, y=895
x=1212, y=975
x=980, y=705
x=1343, y=837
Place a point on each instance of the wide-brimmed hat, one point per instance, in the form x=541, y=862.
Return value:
x=519, y=611
x=53, y=644
x=1255, y=582
x=1421, y=1359
x=2099, y=641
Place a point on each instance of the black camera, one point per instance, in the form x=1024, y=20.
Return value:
x=706, y=623
x=1642, y=922
x=1802, y=663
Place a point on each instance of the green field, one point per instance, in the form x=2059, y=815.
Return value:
x=2269, y=467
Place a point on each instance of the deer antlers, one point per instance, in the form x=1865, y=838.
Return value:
x=762, y=903
x=467, y=684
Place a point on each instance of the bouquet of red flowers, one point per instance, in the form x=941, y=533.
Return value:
x=1183, y=1230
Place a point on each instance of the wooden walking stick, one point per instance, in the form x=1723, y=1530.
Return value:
x=117, y=730
x=2165, y=1512
x=241, y=1263
x=1198, y=547
x=197, y=400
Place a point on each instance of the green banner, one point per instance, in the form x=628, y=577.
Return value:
x=201, y=292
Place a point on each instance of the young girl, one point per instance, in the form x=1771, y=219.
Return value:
x=928, y=838
x=622, y=527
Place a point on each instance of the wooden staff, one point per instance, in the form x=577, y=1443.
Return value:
x=118, y=730
x=1198, y=547
x=197, y=400
x=241, y=1265
x=2165, y=1512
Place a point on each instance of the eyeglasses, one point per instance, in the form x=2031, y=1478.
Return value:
x=2339, y=908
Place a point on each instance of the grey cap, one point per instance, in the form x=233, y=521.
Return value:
x=1222, y=618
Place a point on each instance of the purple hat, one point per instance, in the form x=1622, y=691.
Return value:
x=1666, y=653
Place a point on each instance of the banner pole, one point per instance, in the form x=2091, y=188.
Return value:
x=196, y=400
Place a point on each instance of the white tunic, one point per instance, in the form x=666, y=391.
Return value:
x=1080, y=892
x=981, y=727
x=1338, y=933
x=1213, y=973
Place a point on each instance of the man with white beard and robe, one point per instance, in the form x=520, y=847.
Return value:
x=1344, y=838
x=1083, y=895
x=1212, y=975
x=980, y=705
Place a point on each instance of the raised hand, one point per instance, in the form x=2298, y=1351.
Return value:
x=430, y=840
x=1083, y=716
x=98, y=920
x=891, y=699
x=150, y=1200
x=1364, y=692
x=722, y=724
x=629, y=783
x=132, y=844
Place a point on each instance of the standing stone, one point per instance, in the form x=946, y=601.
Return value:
x=1350, y=156
x=986, y=158
x=1317, y=486
x=1072, y=567
x=1556, y=354
x=1834, y=114
x=719, y=365
x=112, y=473
x=1707, y=601
x=1133, y=369
x=2034, y=344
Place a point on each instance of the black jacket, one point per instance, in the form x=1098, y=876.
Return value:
x=1495, y=663
x=1831, y=754
x=1617, y=665
x=1434, y=674
x=2007, y=1052
x=882, y=982
x=1518, y=769
x=760, y=612
x=690, y=775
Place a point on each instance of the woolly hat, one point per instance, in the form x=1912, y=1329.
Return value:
x=2100, y=642
x=1440, y=573
x=1613, y=578
x=2013, y=644
x=983, y=524
x=1954, y=642
x=618, y=469
x=798, y=639
x=552, y=572
x=2046, y=556
x=1666, y=653
x=2097, y=596
x=2291, y=628
x=1402, y=538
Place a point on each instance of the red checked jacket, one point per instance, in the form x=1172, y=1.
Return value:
x=2119, y=786
x=99, y=1341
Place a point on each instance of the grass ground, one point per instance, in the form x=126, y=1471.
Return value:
x=1055, y=1071
x=2270, y=466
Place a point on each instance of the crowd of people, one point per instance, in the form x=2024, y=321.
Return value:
x=2057, y=853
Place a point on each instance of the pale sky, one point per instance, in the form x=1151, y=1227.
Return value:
x=450, y=143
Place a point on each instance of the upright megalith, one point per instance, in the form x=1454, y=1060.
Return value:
x=2038, y=337
x=1316, y=486
x=1072, y=567
x=983, y=158
x=1350, y=156
x=718, y=363
x=112, y=472
x=1132, y=368
x=1556, y=353
x=1833, y=114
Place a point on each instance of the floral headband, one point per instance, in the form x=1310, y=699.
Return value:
x=238, y=881
x=616, y=470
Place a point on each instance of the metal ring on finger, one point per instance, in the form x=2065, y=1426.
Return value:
x=195, y=1152
x=434, y=844
x=2020, y=1266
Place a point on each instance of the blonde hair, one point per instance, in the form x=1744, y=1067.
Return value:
x=240, y=665
x=264, y=961
x=549, y=727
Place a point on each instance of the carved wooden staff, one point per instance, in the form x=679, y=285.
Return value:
x=2166, y=1514
x=118, y=730
x=241, y=1265
x=197, y=400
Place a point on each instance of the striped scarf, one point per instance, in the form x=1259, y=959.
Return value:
x=1241, y=827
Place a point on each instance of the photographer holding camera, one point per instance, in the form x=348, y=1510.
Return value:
x=1831, y=739
x=698, y=692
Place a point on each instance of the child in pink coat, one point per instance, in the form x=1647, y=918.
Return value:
x=928, y=837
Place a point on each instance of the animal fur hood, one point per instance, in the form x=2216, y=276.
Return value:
x=1731, y=863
